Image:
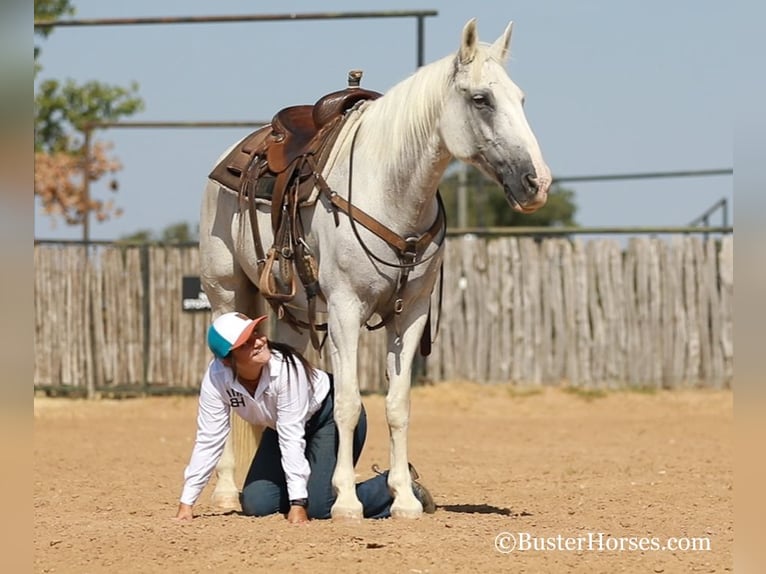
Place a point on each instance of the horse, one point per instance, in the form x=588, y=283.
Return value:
x=386, y=162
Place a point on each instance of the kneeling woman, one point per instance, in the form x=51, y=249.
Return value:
x=272, y=385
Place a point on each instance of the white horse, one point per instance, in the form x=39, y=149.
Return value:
x=389, y=157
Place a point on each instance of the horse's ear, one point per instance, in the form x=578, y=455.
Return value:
x=500, y=47
x=468, y=42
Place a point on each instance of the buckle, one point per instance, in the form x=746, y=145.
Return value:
x=411, y=247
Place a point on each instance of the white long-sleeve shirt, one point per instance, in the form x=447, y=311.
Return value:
x=282, y=403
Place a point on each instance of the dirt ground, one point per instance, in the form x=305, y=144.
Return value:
x=564, y=469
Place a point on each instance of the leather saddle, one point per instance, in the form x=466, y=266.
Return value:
x=294, y=132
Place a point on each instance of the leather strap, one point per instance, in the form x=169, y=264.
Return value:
x=395, y=240
x=249, y=190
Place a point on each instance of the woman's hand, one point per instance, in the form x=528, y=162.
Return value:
x=184, y=512
x=297, y=515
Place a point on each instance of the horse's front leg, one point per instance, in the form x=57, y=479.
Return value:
x=401, y=352
x=343, y=326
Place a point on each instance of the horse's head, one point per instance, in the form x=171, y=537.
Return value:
x=484, y=123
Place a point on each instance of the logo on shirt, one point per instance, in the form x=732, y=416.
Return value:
x=236, y=399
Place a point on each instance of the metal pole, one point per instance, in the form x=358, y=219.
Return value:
x=233, y=18
x=650, y=175
x=560, y=231
x=421, y=41
x=462, y=196
x=146, y=308
x=179, y=124
x=86, y=184
x=705, y=217
x=90, y=389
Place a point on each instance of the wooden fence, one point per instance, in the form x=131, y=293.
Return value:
x=555, y=311
x=656, y=314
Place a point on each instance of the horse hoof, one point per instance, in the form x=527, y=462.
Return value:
x=226, y=501
x=352, y=512
x=406, y=513
x=407, y=507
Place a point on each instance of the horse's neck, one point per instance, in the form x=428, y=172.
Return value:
x=399, y=157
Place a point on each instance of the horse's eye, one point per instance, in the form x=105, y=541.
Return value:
x=480, y=100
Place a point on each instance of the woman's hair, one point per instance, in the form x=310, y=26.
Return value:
x=290, y=354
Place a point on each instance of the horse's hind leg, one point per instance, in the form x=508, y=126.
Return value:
x=233, y=291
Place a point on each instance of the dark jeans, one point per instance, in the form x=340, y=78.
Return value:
x=265, y=489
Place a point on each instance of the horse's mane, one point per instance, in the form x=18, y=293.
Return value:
x=406, y=114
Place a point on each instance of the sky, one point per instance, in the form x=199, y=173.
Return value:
x=611, y=87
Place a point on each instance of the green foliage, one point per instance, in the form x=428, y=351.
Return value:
x=178, y=233
x=488, y=207
x=181, y=232
x=51, y=10
x=559, y=210
x=62, y=108
x=140, y=236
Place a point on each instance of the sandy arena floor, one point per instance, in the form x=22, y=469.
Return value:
x=563, y=466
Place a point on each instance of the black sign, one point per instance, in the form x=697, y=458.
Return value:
x=194, y=298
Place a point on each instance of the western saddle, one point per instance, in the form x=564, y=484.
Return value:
x=281, y=164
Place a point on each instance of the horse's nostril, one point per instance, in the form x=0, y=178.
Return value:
x=531, y=182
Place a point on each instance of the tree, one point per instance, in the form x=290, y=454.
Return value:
x=488, y=207
x=63, y=110
x=181, y=232
x=178, y=233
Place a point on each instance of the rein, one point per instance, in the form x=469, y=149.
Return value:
x=406, y=248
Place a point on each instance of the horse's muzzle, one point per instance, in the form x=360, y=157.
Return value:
x=528, y=195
